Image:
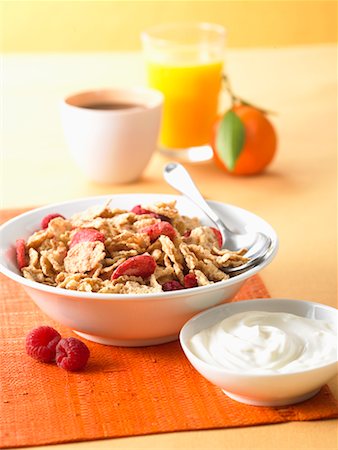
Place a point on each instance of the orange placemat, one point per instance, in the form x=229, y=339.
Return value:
x=122, y=392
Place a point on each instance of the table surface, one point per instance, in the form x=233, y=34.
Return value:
x=297, y=195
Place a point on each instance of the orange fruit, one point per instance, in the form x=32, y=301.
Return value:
x=257, y=143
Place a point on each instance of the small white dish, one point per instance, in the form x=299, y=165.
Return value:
x=127, y=319
x=275, y=389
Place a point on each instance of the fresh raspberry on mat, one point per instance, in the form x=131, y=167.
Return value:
x=72, y=354
x=218, y=235
x=86, y=235
x=158, y=228
x=45, y=221
x=172, y=286
x=190, y=280
x=41, y=343
x=137, y=266
x=21, y=256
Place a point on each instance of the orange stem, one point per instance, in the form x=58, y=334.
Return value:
x=235, y=99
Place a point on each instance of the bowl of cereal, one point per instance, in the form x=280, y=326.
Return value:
x=127, y=269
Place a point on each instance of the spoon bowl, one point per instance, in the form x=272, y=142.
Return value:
x=257, y=243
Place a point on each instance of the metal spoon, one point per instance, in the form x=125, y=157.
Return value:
x=257, y=243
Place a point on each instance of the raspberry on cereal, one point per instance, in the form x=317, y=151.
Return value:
x=158, y=228
x=138, y=266
x=72, y=354
x=190, y=280
x=45, y=221
x=21, y=256
x=86, y=235
x=172, y=285
x=41, y=343
x=218, y=235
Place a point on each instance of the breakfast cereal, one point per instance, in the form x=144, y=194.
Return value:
x=149, y=249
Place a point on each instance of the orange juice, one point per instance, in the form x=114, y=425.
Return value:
x=190, y=101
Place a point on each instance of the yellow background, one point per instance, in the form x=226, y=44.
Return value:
x=72, y=26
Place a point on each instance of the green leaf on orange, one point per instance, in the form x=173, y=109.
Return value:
x=230, y=139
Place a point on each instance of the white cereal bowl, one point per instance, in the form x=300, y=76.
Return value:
x=127, y=319
x=275, y=389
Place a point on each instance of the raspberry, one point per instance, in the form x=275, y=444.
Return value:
x=218, y=235
x=172, y=286
x=45, y=221
x=86, y=235
x=190, y=280
x=71, y=354
x=21, y=256
x=41, y=343
x=138, y=266
x=158, y=228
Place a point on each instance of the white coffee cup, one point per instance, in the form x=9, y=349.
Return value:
x=112, y=133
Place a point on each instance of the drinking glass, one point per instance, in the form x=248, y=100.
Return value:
x=185, y=62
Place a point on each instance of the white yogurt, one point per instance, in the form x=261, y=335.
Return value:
x=266, y=342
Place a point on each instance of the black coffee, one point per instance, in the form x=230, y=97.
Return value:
x=112, y=106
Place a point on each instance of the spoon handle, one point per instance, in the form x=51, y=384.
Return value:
x=178, y=177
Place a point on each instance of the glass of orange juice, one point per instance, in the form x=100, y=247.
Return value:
x=185, y=62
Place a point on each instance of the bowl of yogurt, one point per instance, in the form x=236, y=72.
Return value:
x=264, y=352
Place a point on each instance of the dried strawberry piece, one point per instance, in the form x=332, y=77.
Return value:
x=72, y=354
x=139, y=210
x=41, y=343
x=218, y=235
x=21, y=256
x=86, y=235
x=187, y=233
x=45, y=221
x=190, y=280
x=158, y=228
x=138, y=266
x=172, y=285
x=164, y=218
